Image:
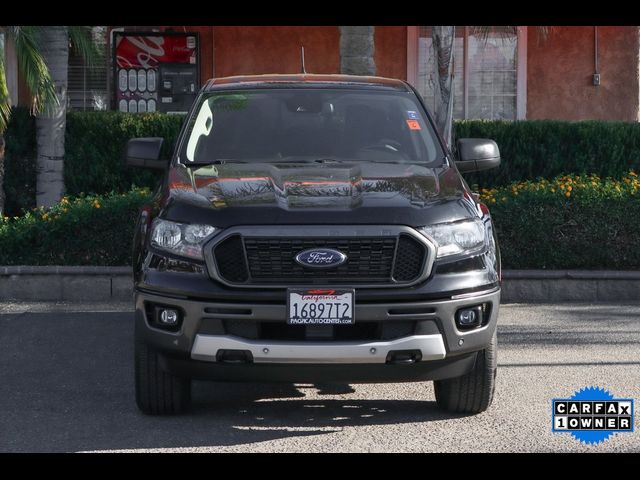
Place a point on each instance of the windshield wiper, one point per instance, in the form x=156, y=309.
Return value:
x=219, y=161
x=328, y=160
x=307, y=160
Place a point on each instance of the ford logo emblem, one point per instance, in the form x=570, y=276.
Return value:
x=321, y=258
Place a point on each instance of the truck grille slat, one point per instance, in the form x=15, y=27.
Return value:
x=269, y=260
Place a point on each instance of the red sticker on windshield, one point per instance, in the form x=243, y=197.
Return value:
x=414, y=125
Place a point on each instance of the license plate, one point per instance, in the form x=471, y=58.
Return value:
x=320, y=307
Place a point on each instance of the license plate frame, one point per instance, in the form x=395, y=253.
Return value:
x=338, y=297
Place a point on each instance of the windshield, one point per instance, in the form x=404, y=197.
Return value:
x=299, y=125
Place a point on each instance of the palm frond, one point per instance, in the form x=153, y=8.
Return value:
x=33, y=67
x=5, y=101
x=83, y=42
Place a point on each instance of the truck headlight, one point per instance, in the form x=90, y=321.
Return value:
x=180, y=239
x=463, y=237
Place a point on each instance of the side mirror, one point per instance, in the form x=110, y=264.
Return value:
x=145, y=153
x=476, y=154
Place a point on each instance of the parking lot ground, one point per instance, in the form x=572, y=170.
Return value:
x=67, y=383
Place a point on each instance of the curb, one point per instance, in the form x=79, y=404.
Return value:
x=542, y=286
x=66, y=283
x=94, y=284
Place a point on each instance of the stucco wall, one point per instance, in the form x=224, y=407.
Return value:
x=560, y=69
x=255, y=50
x=391, y=52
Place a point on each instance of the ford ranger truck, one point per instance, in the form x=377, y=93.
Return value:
x=314, y=228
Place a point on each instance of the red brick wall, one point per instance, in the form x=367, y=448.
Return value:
x=560, y=69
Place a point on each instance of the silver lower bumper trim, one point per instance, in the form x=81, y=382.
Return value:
x=206, y=347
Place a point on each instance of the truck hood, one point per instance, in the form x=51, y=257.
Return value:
x=338, y=193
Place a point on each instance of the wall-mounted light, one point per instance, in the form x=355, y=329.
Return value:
x=596, y=73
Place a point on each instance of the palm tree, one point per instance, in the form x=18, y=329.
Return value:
x=42, y=56
x=356, y=50
x=443, y=40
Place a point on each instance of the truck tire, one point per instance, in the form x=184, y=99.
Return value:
x=158, y=392
x=473, y=392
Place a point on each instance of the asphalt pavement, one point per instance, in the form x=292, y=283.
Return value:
x=66, y=372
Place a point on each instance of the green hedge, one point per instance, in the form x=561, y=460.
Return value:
x=20, y=162
x=546, y=148
x=88, y=230
x=95, y=143
x=569, y=222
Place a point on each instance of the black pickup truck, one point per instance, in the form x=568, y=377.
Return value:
x=314, y=228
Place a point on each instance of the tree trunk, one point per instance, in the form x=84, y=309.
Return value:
x=443, y=38
x=2, y=197
x=51, y=124
x=357, y=47
x=11, y=77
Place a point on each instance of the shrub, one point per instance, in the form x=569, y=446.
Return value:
x=20, y=162
x=95, y=142
x=87, y=230
x=546, y=148
x=572, y=221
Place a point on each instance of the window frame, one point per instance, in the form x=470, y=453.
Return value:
x=521, y=67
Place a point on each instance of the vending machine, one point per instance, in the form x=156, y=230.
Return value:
x=155, y=71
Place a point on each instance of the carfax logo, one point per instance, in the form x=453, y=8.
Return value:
x=592, y=415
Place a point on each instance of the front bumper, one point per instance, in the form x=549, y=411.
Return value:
x=193, y=350
x=206, y=347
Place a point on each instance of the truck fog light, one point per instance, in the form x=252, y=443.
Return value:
x=469, y=317
x=168, y=317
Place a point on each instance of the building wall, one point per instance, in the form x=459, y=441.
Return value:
x=560, y=69
x=256, y=50
x=390, y=52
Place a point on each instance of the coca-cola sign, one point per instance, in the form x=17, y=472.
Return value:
x=137, y=57
x=147, y=51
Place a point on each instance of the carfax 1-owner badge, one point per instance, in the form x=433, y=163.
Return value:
x=592, y=415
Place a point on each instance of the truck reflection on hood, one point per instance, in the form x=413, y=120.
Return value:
x=293, y=186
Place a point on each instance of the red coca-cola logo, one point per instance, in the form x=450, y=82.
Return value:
x=137, y=51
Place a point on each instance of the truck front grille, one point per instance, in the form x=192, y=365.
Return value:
x=273, y=259
x=247, y=259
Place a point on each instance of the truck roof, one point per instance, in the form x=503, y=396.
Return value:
x=304, y=81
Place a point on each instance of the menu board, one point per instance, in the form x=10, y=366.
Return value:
x=137, y=60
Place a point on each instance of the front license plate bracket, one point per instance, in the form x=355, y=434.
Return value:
x=320, y=306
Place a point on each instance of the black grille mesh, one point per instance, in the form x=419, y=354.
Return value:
x=409, y=259
x=273, y=259
x=230, y=260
